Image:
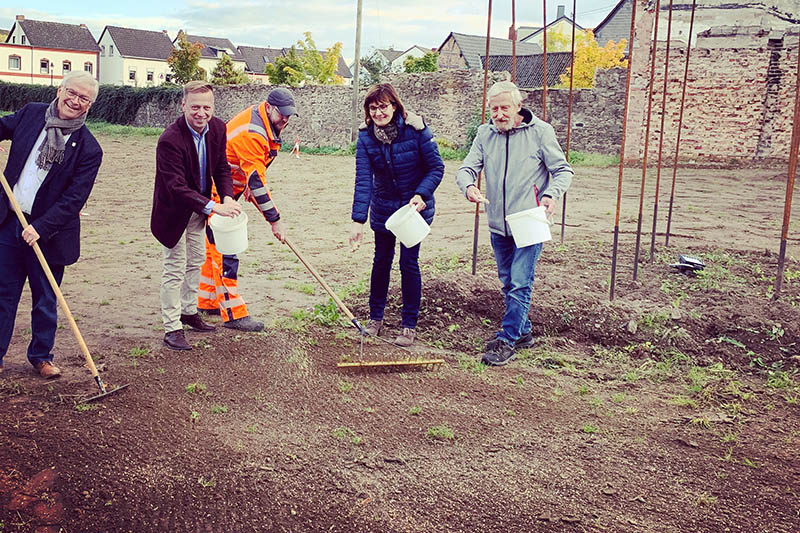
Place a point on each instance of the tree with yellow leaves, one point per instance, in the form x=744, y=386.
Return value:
x=590, y=56
x=319, y=68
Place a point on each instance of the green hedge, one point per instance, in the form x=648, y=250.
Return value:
x=114, y=104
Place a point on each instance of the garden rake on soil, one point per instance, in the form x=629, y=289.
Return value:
x=62, y=302
x=397, y=363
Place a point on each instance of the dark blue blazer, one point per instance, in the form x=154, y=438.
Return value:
x=55, y=214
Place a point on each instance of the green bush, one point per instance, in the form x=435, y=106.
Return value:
x=13, y=96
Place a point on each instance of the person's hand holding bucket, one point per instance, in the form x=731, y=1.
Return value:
x=228, y=208
x=417, y=202
x=356, y=234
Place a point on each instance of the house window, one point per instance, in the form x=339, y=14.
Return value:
x=149, y=75
x=87, y=67
x=111, y=50
x=66, y=66
x=132, y=74
x=14, y=40
x=22, y=39
x=103, y=50
x=44, y=66
x=14, y=62
x=169, y=78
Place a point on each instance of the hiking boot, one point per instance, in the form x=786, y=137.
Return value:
x=498, y=353
x=176, y=340
x=48, y=370
x=527, y=340
x=406, y=338
x=374, y=327
x=196, y=323
x=246, y=323
x=210, y=312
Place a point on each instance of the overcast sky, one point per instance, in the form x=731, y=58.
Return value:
x=275, y=24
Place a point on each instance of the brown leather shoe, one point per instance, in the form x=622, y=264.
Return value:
x=196, y=323
x=406, y=338
x=48, y=370
x=374, y=327
x=175, y=340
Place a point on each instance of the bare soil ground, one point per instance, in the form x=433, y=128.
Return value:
x=672, y=408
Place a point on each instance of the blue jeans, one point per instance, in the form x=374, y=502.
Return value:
x=18, y=262
x=410, y=279
x=515, y=268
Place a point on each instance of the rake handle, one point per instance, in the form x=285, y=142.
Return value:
x=325, y=286
x=49, y=273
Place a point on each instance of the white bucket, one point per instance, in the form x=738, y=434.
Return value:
x=230, y=233
x=529, y=227
x=408, y=226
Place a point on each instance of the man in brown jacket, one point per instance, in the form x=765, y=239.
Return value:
x=190, y=152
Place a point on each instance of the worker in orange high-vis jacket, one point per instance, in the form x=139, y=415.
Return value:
x=253, y=143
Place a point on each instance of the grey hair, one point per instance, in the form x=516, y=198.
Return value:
x=83, y=77
x=505, y=87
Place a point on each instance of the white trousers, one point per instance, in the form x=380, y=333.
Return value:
x=181, y=277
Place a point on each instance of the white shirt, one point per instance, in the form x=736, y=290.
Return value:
x=31, y=177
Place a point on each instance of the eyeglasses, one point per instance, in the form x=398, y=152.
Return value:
x=84, y=100
x=380, y=107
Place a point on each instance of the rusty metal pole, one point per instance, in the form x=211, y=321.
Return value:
x=544, y=61
x=680, y=123
x=513, y=43
x=646, y=142
x=483, y=119
x=569, y=117
x=787, y=209
x=661, y=138
x=622, y=153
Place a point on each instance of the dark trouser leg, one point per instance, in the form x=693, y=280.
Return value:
x=411, y=283
x=381, y=268
x=12, y=279
x=44, y=311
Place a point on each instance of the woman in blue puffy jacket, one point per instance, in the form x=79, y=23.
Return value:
x=397, y=163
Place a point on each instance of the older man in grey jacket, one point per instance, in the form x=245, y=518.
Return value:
x=523, y=166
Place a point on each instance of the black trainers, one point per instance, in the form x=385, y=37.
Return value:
x=526, y=341
x=498, y=353
x=244, y=324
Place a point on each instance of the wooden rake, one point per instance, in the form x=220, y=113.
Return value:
x=408, y=362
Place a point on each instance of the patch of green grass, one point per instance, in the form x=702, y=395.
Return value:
x=195, y=388
x=252, y=428
x=415, y=410
x=219, y=409
x=138, y=352
x=682, y=401
x=345, y=386
x=206, y=483
x=440, y=433
x=470, y=364
x=84, y=407
x=706, y=499
x=590, y=159
x=99, y=127
x=194, y=416
x=780, y=379
x=589, y=428
x=305, y=288
x=345, y=433
x=327, y=314
x=619, y=397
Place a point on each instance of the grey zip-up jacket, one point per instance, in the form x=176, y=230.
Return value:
x=519, y=168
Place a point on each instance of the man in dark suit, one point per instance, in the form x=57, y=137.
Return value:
x=190, y=152
x=51, y=169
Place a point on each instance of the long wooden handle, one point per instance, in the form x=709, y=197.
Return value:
x=61, y=301
x=322, y=282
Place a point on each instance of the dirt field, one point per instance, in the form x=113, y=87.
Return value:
x=672, y=408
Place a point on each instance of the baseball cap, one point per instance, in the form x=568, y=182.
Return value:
x=283, y=100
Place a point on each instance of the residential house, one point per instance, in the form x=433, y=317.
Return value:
x=616, y=25
x=414, y=51
x=562, y=24
x=134, y=57
x=213, y=49
x=42, y=52
x=462, y=51
x=256, y=59
x=530, y=68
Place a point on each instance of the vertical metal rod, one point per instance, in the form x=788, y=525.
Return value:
x=680, y=123
x=622, y=153
x=354, y=111
x=513, y=42
x=483, y=119
x=544, y=61
x=787, y=209
x=569, y=117
x=661, y=138
x=646, y=141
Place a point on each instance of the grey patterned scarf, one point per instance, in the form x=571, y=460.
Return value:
x=387, y=133
x=52, y=148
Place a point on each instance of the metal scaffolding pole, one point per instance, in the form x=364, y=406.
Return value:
x=622, y=153
x=646, y=142
x=513, y=43
x=661, y=137
x=787, y=209
x=544, y=60
x=569, y=117
x=680, y=123
x=483, y=119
